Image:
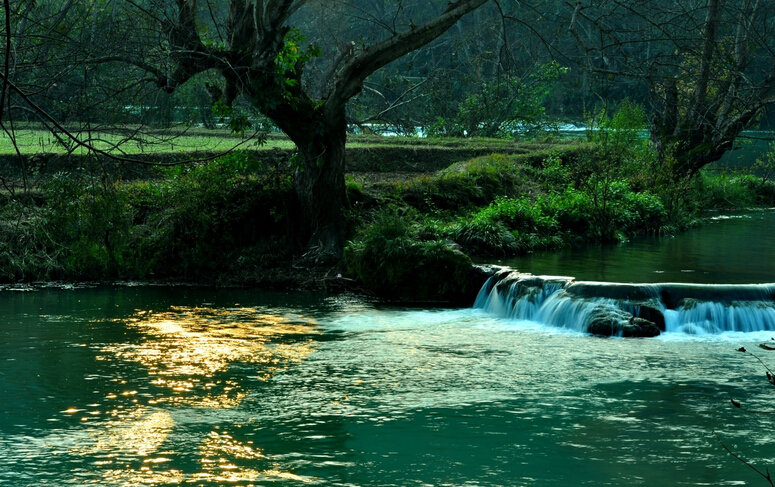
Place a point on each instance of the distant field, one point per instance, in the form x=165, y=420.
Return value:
x=32, y=141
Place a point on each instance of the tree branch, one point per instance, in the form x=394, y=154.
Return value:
x=348, y=82
x=709, y=47
x=765, y=475
x=7, y=60
x=88, y=146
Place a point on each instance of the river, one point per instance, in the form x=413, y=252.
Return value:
x=127, y=386
x=727, y=249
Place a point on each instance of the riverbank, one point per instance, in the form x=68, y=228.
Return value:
x=414, y=220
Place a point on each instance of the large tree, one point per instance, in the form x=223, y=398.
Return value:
x=709, y=66
x=261, y=52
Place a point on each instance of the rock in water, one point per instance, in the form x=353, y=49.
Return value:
x=610, y=321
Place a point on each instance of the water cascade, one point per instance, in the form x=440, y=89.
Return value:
x=622, y=309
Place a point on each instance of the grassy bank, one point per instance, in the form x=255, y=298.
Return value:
x=412, y=229
x=609, y=188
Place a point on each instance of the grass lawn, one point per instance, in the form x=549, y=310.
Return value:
x=31, y=140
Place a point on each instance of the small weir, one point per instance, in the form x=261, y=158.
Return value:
x=622, y=309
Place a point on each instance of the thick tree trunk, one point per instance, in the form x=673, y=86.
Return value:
x=320, y=190
x=686, y=152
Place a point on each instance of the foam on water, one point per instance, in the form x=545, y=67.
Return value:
x=683, y=308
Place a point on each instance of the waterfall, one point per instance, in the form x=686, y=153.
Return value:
x=623, y=309
x=714, y=317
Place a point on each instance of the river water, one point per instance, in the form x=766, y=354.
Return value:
x=133, y=386
x=728, y=249
x=155, y=386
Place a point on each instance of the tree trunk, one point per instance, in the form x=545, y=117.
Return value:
x=320, y=190
x=252, y=65
x=691, y=157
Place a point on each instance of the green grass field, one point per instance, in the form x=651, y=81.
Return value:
x=31, y=140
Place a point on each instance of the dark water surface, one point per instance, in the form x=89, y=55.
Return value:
x=167, y=387
x=737, y=249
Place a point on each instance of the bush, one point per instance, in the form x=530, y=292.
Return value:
x=572, y=210
x=27, y=250
x=521, y=214
x=91, y=219
x=196, y=223
x=646, y=213
x=723, y=190
x=465, y=185
x=506, y=227
x=387, y=259
x=485, y=237
x=209, y=216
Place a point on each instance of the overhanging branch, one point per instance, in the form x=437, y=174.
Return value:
x=348, y=82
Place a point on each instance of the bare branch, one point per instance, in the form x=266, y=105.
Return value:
x=349, y=80
x=90, y=147
x=7, y=57
x=765, y=475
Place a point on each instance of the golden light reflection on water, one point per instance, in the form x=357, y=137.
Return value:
x=225, y=459
x=185, y=350
x=145, y=475
x=141, y=437
x=187, y=353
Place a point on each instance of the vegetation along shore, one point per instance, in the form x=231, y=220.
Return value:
x=417, y=212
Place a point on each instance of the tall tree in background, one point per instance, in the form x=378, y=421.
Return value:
x=261, y=53
x=709, y=66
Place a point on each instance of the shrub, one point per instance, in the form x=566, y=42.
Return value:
x=209, y=215
x=91, y=219
x=387, y=259
x=485, y=237
x=27, y=250
x=521, y=214
x=722, y=190
x=646, y=213
x=572, y=209
x=193, y=224
x=465, y=185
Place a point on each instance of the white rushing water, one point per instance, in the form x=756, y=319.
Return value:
x=673, y=308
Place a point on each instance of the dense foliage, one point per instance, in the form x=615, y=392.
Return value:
x=199, y=224
x=607, y=189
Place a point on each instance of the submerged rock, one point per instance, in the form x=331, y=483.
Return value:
x=610, y=321
x=640, y=328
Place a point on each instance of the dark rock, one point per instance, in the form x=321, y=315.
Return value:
x=640, y=328
x=653, y=315
x=519, y=285
x=610, y=321
x=417, y=273
x=478, y=276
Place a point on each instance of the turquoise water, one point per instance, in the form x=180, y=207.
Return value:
x=737, y=249
x=155, y=386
